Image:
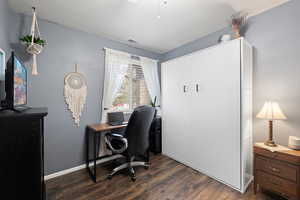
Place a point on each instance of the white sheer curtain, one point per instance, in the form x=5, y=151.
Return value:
x=150, y=69
x=116, y=65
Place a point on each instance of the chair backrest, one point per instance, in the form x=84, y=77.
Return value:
x=137, y=130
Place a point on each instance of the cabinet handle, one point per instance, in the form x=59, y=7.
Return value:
x=276, y=183
x=184, y=89
x=273, y=169
x=197, y=87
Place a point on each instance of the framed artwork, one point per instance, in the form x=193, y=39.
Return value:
x=2, y=62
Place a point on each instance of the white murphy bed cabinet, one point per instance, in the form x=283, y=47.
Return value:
x=207, y=112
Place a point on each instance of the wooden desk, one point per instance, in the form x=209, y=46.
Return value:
x=105, y=127
x=94, y=131
x=277, y=169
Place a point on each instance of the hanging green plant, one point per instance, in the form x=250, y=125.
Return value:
x=27, y=39
x=153, y=103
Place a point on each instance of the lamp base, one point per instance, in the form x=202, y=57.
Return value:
x=270, y=143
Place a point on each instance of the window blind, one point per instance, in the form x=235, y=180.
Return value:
x=134, y=91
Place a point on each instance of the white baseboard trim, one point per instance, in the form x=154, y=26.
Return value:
x=74, y=169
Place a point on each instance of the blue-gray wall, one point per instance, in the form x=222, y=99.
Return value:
x=6, y=37
x=65, y=142
x=8, y=27
x=275, y=36
x=4, y=45
x=4, y=14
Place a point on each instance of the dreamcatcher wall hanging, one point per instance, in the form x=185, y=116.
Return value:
x=34, y=42
x=75, y=93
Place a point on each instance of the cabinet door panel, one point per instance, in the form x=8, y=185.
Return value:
x=215, y=112
x=175, y=91
x=20, y=150
x=203, y=124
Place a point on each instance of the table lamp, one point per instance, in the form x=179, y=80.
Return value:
x=271, y=111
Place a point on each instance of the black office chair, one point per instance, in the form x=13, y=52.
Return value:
x=135, y=142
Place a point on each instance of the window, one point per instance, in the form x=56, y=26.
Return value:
x=133, y=91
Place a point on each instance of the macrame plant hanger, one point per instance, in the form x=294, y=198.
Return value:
x=34, y=48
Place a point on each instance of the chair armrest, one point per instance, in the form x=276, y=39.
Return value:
x=113, y=136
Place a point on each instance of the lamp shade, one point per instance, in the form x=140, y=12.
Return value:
x=271, y=111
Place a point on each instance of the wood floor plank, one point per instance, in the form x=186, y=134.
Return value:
x=165, y=180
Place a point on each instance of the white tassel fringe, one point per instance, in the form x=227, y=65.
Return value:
x=34, y=65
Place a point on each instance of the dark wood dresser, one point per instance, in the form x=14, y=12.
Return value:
x=22, y=154
x=277, y=169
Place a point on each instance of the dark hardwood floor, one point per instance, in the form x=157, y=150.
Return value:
x=165, y=180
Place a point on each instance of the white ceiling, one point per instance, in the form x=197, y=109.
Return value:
x=181, y=21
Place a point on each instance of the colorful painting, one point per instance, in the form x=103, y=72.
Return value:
x=20, y=83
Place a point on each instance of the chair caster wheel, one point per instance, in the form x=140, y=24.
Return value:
x=133, y=179
x=109, y=177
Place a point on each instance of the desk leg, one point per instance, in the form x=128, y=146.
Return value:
x=95, y=158
x=92, y=172
x=87, y=143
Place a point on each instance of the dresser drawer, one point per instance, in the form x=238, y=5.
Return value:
x=276, y=168
x=276, y=184
x=286, y=156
